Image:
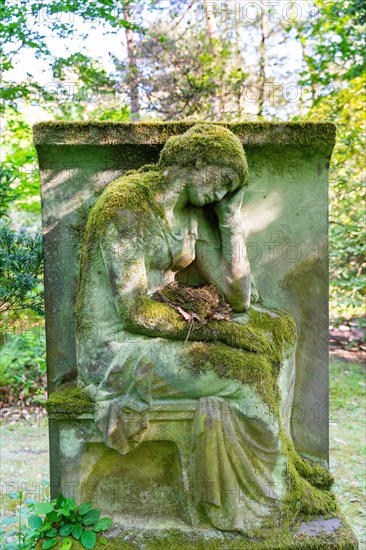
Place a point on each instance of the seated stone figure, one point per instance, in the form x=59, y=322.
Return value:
x=150, y=227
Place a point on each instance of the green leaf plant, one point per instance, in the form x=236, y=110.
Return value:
x=59, y=523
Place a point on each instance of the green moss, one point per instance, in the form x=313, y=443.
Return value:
x=156, y=319
x=309, y=485
x=281, y=328
x=134, y=192
x=251, y=353
x=69, y=400
x=209, y=144
x=265, y=332
x=250, y=133
x=234, y=335
x=273, y=537
x=303, y=497
x=244, y=366
x=314, y=473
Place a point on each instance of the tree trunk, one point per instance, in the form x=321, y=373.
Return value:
x=239, y=63
x=209, y=26
x=262, y=65
x=132, y=69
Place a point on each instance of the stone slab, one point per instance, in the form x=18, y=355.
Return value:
x=340, y=538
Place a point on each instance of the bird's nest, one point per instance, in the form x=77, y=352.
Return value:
x=198, y=304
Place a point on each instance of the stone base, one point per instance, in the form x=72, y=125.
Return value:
x=146, y=492
x=316, y=534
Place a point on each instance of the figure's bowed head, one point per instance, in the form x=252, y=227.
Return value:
x=209, y=160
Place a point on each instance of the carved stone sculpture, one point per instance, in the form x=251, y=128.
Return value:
x=182, y=217
x=188, y=384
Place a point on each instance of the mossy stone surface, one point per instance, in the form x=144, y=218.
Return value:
x=133, y=192
x=207, y=144
x=273, y=538
x=112, y=133
x=69, y=401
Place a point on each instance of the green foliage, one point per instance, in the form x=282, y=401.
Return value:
x=23, y=365
x=19, y=172
x=19, y=538
x=334, y=43
x=7, y=194
x=335, y=64
x=95, y=93
x=187, y=73
x=24, y=27
x=20, y=270
x=19, y=31
x=59, y=522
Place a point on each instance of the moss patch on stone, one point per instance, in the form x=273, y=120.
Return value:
x=208, y=144
x=133, y=192
x=281, y=328
x=272, y=333
x=272, y=538
x=309, y=485
x=157, y=319
x=305, y=498
x=70, y=401
x=113, y=133
x=314, y=473
x=244, y=366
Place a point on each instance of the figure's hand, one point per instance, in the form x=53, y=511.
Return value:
x=228, y=209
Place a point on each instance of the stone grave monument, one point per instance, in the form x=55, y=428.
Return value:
x=186, y=283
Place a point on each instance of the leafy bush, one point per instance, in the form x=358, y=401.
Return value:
x=21, y=284
x=49, y=523
x=23, y=366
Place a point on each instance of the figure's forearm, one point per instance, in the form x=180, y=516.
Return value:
x=223, y=267
x=151, y=318
x=235, y=266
